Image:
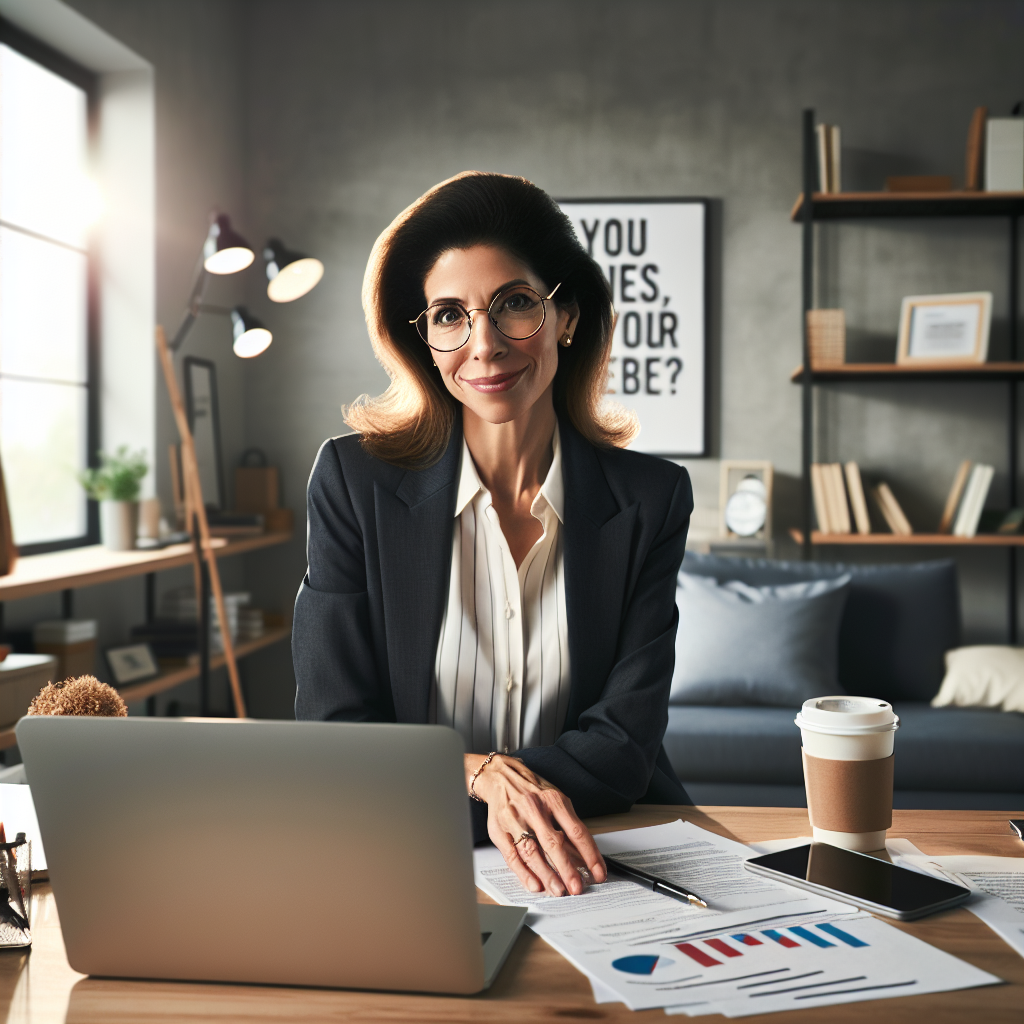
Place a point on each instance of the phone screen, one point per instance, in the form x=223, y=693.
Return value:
x=860, y=876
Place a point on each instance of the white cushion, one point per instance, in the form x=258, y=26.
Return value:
x=983, y=677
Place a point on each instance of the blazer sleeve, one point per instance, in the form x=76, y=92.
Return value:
x=336, y=672
x=613, y=757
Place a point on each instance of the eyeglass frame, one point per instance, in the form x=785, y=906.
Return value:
x=487, y=309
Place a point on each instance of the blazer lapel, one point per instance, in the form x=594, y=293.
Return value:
x=597, y=552
x=414, y=531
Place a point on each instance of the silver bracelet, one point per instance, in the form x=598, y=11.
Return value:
x=472, y=778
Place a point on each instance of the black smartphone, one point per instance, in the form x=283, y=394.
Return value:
x=864, y=881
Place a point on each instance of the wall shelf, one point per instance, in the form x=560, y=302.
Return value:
x=175, y=677
x=871, y=205
x=943, y=540
x=894, y=372
x=92, y=565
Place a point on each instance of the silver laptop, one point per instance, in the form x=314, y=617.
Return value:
x=295, y=853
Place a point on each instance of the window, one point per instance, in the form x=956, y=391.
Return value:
x=47, y=397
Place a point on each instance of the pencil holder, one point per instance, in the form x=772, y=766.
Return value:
x=15, y=893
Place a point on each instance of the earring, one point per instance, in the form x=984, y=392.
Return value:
x=567, y=340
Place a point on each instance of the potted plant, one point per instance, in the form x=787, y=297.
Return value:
x=115, y=485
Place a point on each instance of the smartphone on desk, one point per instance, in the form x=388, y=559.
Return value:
x=864, y=881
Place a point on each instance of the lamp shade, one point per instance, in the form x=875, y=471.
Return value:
x=289, y=274
x=251, y=337
x=225, y=250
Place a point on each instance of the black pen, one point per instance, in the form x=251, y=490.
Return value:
x=654, y=883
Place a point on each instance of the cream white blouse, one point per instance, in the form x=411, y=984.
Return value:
x=501, y=675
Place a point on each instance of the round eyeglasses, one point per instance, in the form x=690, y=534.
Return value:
x=518, y=312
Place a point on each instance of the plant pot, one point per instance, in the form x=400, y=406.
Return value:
x=119, y=523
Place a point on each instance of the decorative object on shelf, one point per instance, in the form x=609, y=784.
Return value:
x=149, y=519
x=85, y=695
x=204, y=422
x=975, y=150
x=745, y=498
x=830, y=179
x=290, y=274
x=919, y=183
x=944, y=330
x=71, y=641
x=115, y=484
x=1004, y=154
x=257, y=486
x=8, y=551
x=956, y=492
x=1005, y=523
x=891, y=510
x=826, y=335
x=21, y=678
x=132, y=663
x=654, y=253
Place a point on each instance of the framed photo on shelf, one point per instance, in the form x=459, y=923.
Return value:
x=132, y=664
x=944, y=330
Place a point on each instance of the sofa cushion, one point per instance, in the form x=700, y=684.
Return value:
x=947, y=749
x=987, y=676
x=738, y=644
x=898, y=623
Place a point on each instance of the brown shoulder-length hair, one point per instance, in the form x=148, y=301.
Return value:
x=411, y=423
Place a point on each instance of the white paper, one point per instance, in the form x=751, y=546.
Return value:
x=865, y=959
x=18, y=814
x=997, y=884
x=619, y=911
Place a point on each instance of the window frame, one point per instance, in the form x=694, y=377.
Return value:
x=88, y=81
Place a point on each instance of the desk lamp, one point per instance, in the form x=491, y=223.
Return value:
x=290, y=275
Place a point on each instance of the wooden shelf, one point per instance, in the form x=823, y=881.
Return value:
x=984, y=540
x=893, y=372
x=857, y=205
x=168, y=680
x=89, y=566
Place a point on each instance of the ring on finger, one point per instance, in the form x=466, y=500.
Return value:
x=524, y=836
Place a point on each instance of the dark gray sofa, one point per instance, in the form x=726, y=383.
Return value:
x=898, y=623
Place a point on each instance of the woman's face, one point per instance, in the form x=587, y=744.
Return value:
x=495, y=377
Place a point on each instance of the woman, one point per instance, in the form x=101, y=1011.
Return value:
x=482, y=552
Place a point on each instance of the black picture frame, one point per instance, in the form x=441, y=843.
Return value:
x=204, y=421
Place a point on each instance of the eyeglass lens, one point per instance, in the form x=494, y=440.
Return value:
x=518, y=313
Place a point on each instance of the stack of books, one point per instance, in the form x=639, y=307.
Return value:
x=838, y=490
x=962, y=514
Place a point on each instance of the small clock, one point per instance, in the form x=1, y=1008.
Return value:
x=745, y=500
x=747, y=509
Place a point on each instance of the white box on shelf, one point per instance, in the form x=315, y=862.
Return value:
x=1004, y=154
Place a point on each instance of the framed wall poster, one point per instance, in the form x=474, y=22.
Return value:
x=944, y=330
x=204, y=422
x=654, y=255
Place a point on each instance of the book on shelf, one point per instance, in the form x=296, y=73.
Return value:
x=969, y=514
x=956, y=493
x=1004, y=154
x=891, y=510
x=829, y=159
x=839, y=510
x=818, y=493
x=975, y=148
x=855, y=488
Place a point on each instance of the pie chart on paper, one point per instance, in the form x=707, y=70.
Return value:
x=641, y=964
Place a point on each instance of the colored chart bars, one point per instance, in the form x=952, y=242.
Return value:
x=727, y=947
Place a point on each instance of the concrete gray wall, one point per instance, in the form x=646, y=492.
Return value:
x=332, y=116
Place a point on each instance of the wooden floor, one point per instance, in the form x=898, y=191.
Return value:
x=536, y=984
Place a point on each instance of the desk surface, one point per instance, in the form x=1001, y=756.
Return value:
x=536, y=984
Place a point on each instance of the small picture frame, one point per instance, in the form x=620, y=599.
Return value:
x=944, y=330
x=132, y=664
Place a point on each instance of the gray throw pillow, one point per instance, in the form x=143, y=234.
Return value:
x=739, y=644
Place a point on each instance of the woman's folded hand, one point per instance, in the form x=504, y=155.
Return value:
x=535, y=827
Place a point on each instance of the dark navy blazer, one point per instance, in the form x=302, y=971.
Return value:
x=368, y=614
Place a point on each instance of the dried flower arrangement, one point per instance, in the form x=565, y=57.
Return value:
x=85, y=695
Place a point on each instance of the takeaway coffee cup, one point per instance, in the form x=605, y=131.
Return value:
x=848, y=761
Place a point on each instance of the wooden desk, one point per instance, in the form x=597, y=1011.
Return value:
x=536, y=984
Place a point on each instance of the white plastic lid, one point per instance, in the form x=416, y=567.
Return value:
x=847, y=716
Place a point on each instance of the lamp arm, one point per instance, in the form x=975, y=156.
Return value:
x=192, y=309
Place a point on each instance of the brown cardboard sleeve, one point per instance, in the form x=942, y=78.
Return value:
x=849, y=796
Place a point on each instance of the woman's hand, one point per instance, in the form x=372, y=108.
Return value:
x=558, y=845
